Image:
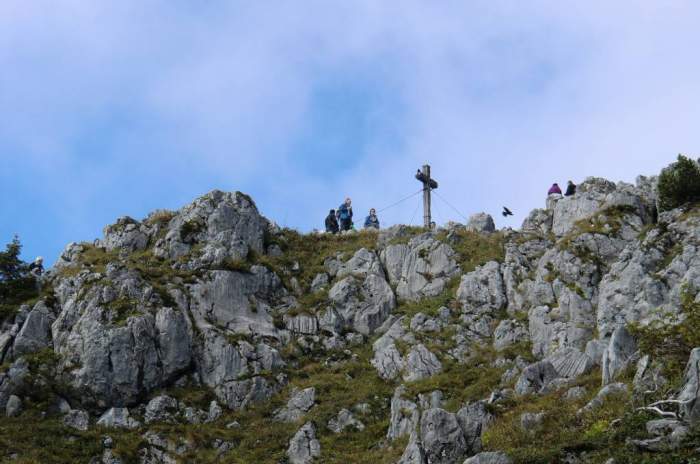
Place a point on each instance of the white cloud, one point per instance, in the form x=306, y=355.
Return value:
x=501, y=97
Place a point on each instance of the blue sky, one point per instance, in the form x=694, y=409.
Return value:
x=119, y=108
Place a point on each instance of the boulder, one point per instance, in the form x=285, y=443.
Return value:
x=300, y=402
x=77, y=419
x=343, y=421
x=126, y=234
x=13, y=381
x=420, y=269
x=618, y=355
x=535, y=377
x=689, y=395
x=509, y=332
x=405, y=416
x=481, y=222
x=304, y=447
x=482, y=290
x=442, y=437
x=226, y=226
x=570, y=362
x=420, y=363
x=13, y=408
x=160, y=409
x=474, y=419
x=35, y=334
x=489, y=457
x=607, y=391
x=539, y=221
x=413, y=454
x=118, y=418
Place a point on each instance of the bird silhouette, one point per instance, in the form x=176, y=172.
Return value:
x=506, y=212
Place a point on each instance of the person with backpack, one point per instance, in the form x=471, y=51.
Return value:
x=554, y=190
x=331, y=223
x=570, y=189
x=344, y=215
x=372, y=221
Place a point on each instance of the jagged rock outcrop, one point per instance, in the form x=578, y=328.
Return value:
x=422, y=268
x=689, y=395
x=619, y=354
x=481, y=222
x=304, y=446
x=345, y=420
x=300, y=402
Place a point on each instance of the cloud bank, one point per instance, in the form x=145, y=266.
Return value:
x=112, y=108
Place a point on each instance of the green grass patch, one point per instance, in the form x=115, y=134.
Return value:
x=474, y=249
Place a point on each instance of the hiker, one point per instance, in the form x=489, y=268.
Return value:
x=554, y=189
x=372, y=221
x=570, y=189
x=344, y=215
x=37, y=267
x=331, y=223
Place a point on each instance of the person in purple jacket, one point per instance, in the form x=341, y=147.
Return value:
x=554, y=189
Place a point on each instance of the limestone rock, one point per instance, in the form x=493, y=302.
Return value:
x=420, y=363
x=489, y=458
x=160, y=409
x=35, y=334
x=405, y=416
x=535, y=378
x=13, y=408
x=442, y=437
x=481, y=222
x=570, y=362
x=304, y=446
x=320, y=282
x=343, y=421
x=538, y=221
x=126, y=234
x=118, y=418
x=509, y=332
x=77, y=419
x=604, y=393
x=413, y=454
x=300, y=402
x=620, y=353
x=474, y=419
x=12, y=381
x=690, y=392
x=226, y=225
x=421, y=268
x=482, y=290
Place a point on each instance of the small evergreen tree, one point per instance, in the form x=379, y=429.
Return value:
x=17, y=284
x=679, y=184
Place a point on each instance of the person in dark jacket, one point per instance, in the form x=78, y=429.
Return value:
x=344, y=215
x=372, y=221
x=570, y=189
x=554, y=190
x=331, y=223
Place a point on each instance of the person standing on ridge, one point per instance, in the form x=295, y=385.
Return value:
x=372, y=221
x=570, y=189
x=331, y=223
x=554, y=189
x=344, y=215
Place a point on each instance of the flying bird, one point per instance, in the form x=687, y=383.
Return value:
x=506, y=212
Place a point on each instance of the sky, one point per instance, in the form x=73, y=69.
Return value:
x=113, y=108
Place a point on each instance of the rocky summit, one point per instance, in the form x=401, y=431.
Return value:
x=210, y=334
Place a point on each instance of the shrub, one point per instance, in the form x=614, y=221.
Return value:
x=679, y=184
x=17, y=284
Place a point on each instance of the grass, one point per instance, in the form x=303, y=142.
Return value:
x=474, y=249
x=311, y=250
x=607, y=222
